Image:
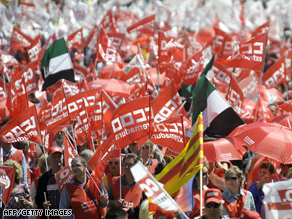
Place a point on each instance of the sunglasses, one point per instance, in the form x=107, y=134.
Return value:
x=231, y=178
x=111, y=163
x=206, y=174
x=128, y=164
x=214, y=205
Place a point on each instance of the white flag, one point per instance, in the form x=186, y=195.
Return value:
x=278, y=199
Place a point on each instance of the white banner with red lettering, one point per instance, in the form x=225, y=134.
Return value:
x=152, y=189
x=278, y=199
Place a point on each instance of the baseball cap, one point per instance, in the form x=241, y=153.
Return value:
x=55, y=149
x=250, y=215
x=213, y=195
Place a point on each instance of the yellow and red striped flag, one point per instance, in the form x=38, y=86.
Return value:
x=186, y=164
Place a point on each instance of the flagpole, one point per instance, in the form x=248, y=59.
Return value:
x=183, y=129
x=120, y=158
x=201, y=192
x=112, y=70
x=101, y=114
x=262, y=72
x=255, y=116
x=149, y=133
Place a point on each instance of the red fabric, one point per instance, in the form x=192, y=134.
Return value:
x=235, y=208
x=196, y=210
x=17, y=156
x=160, y=212
x=81, y=203
x=131, y=194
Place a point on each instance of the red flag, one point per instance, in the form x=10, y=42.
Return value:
x=173, y=72
x=261, y=29
x=80, y=71
x=49, y=42
x=17, y=100
x=221, y=73
x=170, y=134
x=35, y=51
x=75, y=40
x=7, y=60
x=70, y=88
x=23, y=127
x=108, y=22
x=131, y=121
x=146, y=25
x=250, y=55
x=102, y=114
x=194, y=66
x=275, y=75
x=55, y=113
x=263, y=114
x=106, y=50
x=82, y=127
x=248, y=87
x=19, y=40
x=117, y=39
x=2, y=89
x=69, y=151
x=92, y=39
x=228, y=47
x=134, y=76
x=27, y=78
x=235, y=95
x=166, y=103
x=64, y=176
x=163, y=57
x=7, y=175
x=219, y=38
x=75, y=102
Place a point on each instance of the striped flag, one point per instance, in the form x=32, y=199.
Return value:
x=186, y=164
x=58, y=60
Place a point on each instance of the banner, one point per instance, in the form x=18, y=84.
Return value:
x=278, y=199
x=152, y=189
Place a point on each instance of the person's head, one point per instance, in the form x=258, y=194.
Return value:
x=59, y=137
x=148, y=145
x=168, y=158
x=87, y=154
x=213, y=203
x=42, y=163
x=205, y=174
x=234, y=178
x=285, y=167
x=133, y=148
x=22, y=145
x=78, y=166
x=55, y=157
x=128, y=161
x=114, y=166
x=116, y=213
x=267, y=168
x=18, y=169
x=273, y=108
